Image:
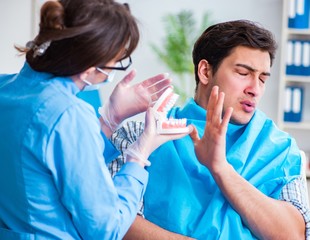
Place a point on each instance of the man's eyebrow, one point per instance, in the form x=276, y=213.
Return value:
x=251, y=69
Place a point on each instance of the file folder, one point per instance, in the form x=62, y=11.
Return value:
x=291, y=13
x=297, y=58
x=293, y=104
x=299, y=14
x=289, y=57
x=305, y=65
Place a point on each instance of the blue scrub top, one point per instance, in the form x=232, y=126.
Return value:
x=54, y=182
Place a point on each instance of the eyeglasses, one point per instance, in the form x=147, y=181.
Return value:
x=121, y=65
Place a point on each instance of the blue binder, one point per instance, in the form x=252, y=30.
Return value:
x=297, y=58
x=291, y=13
x=290, y=57
x=299, y=14
x=293, y=104
x=305, y=64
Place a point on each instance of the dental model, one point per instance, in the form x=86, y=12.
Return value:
x=162, y=106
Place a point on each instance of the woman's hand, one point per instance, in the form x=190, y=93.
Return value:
x=128, y=100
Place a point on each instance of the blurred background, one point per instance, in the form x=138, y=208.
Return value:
x=19, y=24
x=19, y=20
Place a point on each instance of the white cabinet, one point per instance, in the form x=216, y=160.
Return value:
x=294, y=83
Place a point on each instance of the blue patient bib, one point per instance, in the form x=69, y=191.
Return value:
x=182, y=195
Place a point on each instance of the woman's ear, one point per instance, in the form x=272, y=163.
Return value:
x=204, y=71
x=79, y=79
x=87, y=73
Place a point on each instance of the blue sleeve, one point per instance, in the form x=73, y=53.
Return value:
x=110, y=152
x=100, y=208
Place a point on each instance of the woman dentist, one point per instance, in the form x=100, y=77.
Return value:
x=54, y=182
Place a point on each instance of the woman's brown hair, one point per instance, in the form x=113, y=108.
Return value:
x=82, y=34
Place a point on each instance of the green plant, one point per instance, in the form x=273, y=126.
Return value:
x=175, y=52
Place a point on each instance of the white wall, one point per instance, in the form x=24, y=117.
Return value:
x=150, y=13
x=16, y=25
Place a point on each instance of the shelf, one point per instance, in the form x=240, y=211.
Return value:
x=299, y=130
x=297, y=78
x=298, y=31
x=297, y=125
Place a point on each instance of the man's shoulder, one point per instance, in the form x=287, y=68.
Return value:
x=129, y=131
x=133, y=126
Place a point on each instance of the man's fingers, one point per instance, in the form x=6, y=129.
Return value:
x=212, y=103
x=218, y=109
x=226, y=119
x=194, y=135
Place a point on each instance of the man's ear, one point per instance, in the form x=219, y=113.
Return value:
x=204, y=71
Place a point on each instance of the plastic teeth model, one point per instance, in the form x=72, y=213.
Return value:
x=162, y=106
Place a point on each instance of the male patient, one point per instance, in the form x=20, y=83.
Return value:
x=237, y=176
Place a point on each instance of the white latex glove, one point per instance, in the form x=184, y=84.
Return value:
x=127, y=101
x=149, y=140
